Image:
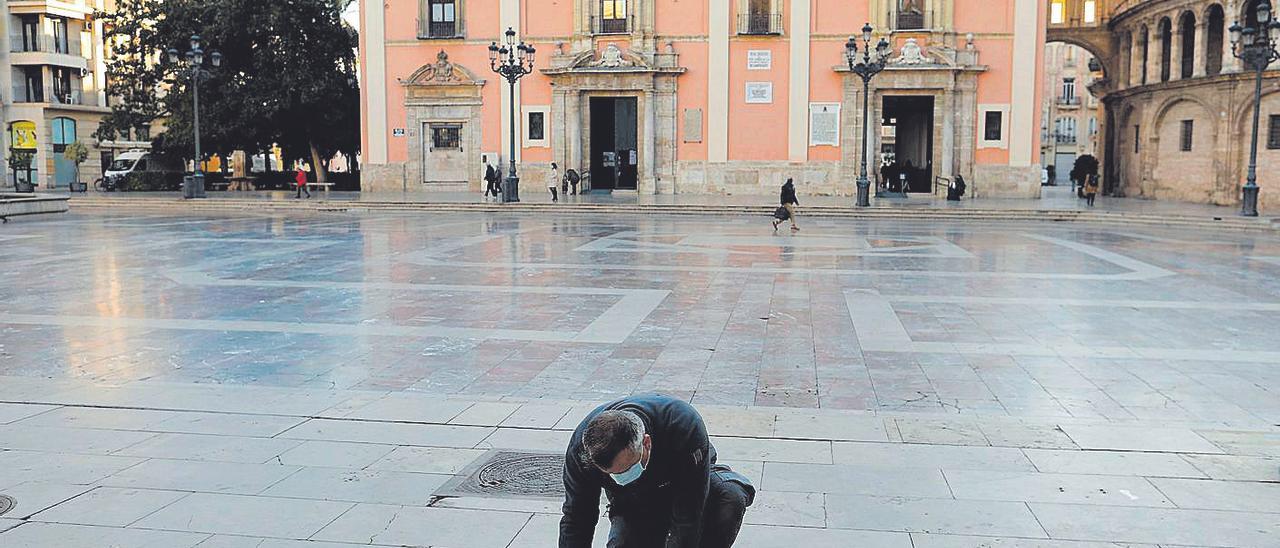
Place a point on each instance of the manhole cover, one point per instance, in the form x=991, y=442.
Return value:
x=510, y=474
x=6, y=503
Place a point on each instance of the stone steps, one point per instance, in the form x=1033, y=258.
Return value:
x=885, y=213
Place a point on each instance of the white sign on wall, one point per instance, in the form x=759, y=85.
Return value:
x=759, y=59
x=397, y=132
x=824, y=124
x=759, y=92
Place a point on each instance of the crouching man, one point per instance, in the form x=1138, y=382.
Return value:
x=651, y=456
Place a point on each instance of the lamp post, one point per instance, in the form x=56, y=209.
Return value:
x=511, y=61
x=866, y=68
x=193, y=187
x=1257, y=48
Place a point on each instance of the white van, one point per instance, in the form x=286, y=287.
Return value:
x=126, y=163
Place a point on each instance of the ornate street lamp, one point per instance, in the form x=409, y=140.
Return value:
x=871, y=63
x=512, y=61
x=1257, y=48
x=193, y=187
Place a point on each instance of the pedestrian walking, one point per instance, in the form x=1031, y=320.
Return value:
x=553, y=182
x=789, y=203
x=490, y=178
x=300, y=178
x=651, y=457
x=1091, y=188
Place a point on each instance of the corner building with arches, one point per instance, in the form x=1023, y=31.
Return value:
x=1178, y=104
x=704, y=96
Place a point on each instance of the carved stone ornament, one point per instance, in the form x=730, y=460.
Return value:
x=612, y=57
x=911, y=54
x=443, y=72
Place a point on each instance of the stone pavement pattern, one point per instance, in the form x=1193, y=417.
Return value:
x=299, y=381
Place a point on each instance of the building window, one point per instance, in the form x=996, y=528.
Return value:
x=1090, y=11
x=62, y=90
x=1065, y=129
x=33, y=80
x=1273, y=132
x=613, y=17
x=993, y=126
x=446, y=137
x=1137, y=134
x=30, y=33
x=1188, y=131
x=439, y=19
x=64, y=133
x=758, y=17
x=910, y=14
x=60, y=42
x=142, y=133
x=1069, y=91
x=1093, y=126
x=1058, y=12
x=537, y=126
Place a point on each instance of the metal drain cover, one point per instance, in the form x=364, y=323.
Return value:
x=6, y=503
x=510, y=474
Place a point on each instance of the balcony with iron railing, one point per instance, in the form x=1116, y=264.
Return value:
x=440, y=30
x=1065, y=138
x=45, y=50
x=1068, y=101
x=910, y=21
x=759, y=23
x=602, y=25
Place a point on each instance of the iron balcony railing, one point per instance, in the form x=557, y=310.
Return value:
x=910, y=21
x=601, y=25
x=1069, y=101
x=428, y=30
x=759, y=23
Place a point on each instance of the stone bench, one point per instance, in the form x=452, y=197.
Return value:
x=15, y=205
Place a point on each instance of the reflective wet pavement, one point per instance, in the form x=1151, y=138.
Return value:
x=1036, y=371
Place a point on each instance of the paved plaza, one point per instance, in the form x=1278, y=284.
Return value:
x=326, y=380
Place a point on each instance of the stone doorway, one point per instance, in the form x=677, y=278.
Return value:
x=909, y=120
x=614, y=155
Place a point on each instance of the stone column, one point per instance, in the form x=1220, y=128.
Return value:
x=1175, y=53
x=648, y=179
x=1155, y=46
x=1199, y=69
x=1136, y=67
x=1229, y=61
x=572, y=130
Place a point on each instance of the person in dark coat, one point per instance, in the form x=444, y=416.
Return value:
x=789, y=202
x=956, y=190
x=651, y=456
x=490, y=178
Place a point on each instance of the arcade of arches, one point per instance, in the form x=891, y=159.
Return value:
x=1178, y=105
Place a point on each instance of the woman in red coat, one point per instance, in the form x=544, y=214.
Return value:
x=301, y=179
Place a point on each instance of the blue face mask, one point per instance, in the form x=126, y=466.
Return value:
x=629, y=476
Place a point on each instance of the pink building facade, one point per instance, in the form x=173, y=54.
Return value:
x=705, y=96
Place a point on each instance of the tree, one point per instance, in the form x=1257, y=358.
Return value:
x=287, y=77
x=77, y=153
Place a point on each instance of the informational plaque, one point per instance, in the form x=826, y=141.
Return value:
x=824, y=124
x=693, y=125
x=397, y=132
x=759, y=92
x=759, y=59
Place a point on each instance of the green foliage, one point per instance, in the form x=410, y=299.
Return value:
x=287, y=76
x=20, y=159
x=142, y=181
x=1085, y=166
x=76, y=152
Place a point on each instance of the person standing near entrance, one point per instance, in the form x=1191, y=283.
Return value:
x=553, y=182
x=300, y=179
x=789, y=202
x=1090, y=188
x=490, y=178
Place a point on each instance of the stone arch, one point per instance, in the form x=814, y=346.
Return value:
x=1215, y=21
x=1243, y=116
x=1177, y=173
x=1164, y=29
x=1248, y=15
x=1100, y=52
x=1187, y=55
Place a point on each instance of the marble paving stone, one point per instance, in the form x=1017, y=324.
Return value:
x=485, y=414
x=33, y=496
x=398, y=525
x=1232, y=467
x=767, y=536
x=428, y=460
x=1221, y=495
x=1057, y=488
x=534, y=440
x=335, y=454
x=925, y=540
x=243, y=515
x=228, y=541
x=543, y=530
x=431, y=435
x=963, y=517
x=22, y=466
x=373, y=486
x=211, y=448
x=1118, y=463
x=68, y=440
x=7, y=524
x=1258, y=444
x=754, y=471
x=101, y=418
x=940, y=432
x=1158, y=525
x=773, y=450
x=531, y=415
x=110, y=506
x=12, y=412
x=789, y=509
x=1127, y=438
x=208, y=477
x=828, y=427
x=1017, y=434
x=854, y=480
x=45, y=535
x=911, y=455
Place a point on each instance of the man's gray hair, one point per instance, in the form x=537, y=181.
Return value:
x=609, y=433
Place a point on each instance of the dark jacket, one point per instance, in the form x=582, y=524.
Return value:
x=490, y=174
x=677, y=477
x=789, y=194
